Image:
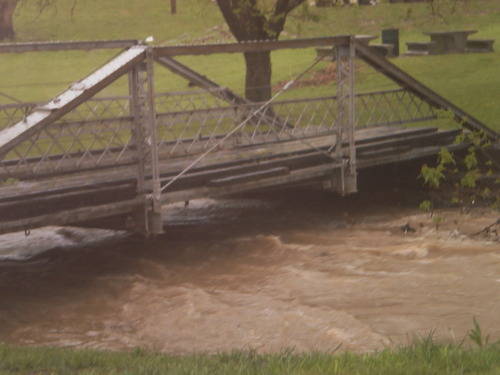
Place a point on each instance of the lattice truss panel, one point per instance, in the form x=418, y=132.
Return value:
x=12, y=113
x=380, y=101
x=99, y=133
x=391, y=107
x=192, y=130
x=95, y=134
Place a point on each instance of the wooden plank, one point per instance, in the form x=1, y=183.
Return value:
x=72, y=216
x=48, y=195
x=66, y=46
x=25, y=207
x=305, y=174
x=407, y=156
x=71, y=98
x=425, y=93
x=252, y=176
x=408, y=140
x=251, y=46
x=290, y=162
x=386, y=133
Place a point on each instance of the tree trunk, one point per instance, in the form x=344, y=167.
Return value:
x=7, y=9
x=247, y=21
x=258, y=76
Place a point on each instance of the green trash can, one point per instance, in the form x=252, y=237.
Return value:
x=391, y=36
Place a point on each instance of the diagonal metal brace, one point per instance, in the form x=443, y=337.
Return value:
x=405, y=80
x=70, y=99
x=215, y=89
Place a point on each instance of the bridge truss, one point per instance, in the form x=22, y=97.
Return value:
x=87, y=158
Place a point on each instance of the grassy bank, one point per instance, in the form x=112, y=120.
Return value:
x=471, y=81
x=424, y=357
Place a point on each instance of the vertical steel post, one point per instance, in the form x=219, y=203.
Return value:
x=138, y=136
x=352, y=174
x=155, y=217
x=139, y=222
x=345, y=149
x=142, y=106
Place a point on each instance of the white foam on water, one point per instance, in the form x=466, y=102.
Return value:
x=209, y=210
x=20, y=246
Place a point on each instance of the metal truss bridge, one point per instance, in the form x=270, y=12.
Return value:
x=116, y=161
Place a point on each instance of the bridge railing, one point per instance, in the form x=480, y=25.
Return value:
x=391, y=107
x=98, y=134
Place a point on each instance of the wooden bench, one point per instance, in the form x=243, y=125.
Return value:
x=420, y=48
x=384, y=50
x=480, y=45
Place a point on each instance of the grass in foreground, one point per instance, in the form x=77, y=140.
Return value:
x=423, y=357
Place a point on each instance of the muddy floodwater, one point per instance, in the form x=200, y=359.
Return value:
x=298, y=269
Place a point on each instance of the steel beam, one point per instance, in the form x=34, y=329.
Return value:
x=65, y=46
x=345, y=182
x=252, y=46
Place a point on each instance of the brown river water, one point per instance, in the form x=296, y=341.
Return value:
x=298, y=269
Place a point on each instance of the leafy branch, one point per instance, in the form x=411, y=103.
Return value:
x=463, y=173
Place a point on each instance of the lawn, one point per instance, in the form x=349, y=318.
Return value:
x=470, y=81
x=423, y=357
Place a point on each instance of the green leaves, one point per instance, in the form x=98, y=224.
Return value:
x=463, y=174
x=425, y=206
x=432, y=176
x=476, y=335
x=445, y=157
x=469, y=180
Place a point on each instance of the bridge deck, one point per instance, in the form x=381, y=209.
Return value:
x=78, y=197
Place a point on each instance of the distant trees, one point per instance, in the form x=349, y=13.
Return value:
x=257, y=20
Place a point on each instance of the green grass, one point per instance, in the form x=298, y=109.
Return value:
x=471, y=81
x=425, y=357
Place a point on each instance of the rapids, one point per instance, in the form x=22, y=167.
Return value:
x=302, y=269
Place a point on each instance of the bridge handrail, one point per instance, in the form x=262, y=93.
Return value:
x=66, y=45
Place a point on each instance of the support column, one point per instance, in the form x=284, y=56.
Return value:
x=147, y=221
x=155, y=217
x=345, y=182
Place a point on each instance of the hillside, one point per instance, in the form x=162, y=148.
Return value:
x=470, y=80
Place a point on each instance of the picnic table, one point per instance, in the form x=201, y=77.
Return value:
x=449, y=41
